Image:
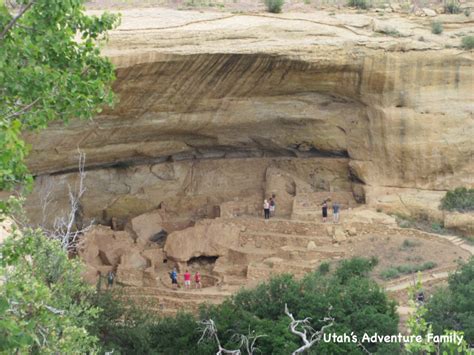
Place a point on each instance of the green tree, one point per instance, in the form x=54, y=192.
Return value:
x=453, y=307
x=44, y=305
x=50, y=69
x=274, y=6
x=356, y=303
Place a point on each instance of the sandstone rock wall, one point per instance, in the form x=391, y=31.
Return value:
x=299, y=85
x=184, y=191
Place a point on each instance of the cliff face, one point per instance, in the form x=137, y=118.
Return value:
x=196, y=86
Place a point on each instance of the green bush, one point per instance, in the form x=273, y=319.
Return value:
x=409, y=244
x=452, y=8
x=460, y=199
x=324, y=267
x=390, y=273
x=44, y=307
x=394, y=272
x=274, y=5
x=356, y=302
x=453, y=307
x=360, y=4
x=436, y=27
x=467, y=42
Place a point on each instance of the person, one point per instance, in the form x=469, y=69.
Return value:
x=110, y=279
x=197, y=279
x=420, y=297
x=266, y=209
x=335, y=212
x=187, y=280
x=272, y=206
x=174, y=278
x=325, y=211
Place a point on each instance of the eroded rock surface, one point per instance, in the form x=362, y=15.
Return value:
x=197, y=86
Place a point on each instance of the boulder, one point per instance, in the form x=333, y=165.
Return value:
x=146, y=225
x=206, y=238
x=101, y=246
x=338, y=235
x=351, y=231
x=429, y=12
x=134, y=260
x=311, y=245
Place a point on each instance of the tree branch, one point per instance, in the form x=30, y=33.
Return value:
x=15, y=19
x=23, y=109
x=304, y=324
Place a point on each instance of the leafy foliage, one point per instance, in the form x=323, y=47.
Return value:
x=436, y=27
x=47, y=73
x=453, y=307
x=360, y=4
x=460, y=199
x=274, y=5
x=44, y=303
x=394, y=272
x=467, y=42
x=452, y=7
x=418, y=325
x=357, y=303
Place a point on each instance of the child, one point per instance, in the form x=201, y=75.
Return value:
x=187, y=280
x=197, y=279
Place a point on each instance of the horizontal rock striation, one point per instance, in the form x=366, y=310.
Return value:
x=399, y=110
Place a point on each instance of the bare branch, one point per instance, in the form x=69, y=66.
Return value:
x=209, y=331
x=24, y=109
x=68, y=228
x=303, y=329
x=15, y=19
x=248, y=341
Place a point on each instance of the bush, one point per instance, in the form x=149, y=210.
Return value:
x=467, y=42
x=453, y=307
x=408, y=244
x=436, y=27
x=356, y=302
x=324, y=268
x=460, y=199
x=44, y=306
x=452, y=8
x=394, y=272
x=274, y=5
x=356, y=267
x=360, y=4
x=390, y=273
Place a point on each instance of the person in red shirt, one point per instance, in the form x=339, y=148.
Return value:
x=187, y=279
x=197, y=279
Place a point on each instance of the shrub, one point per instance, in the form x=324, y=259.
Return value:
x=408, y=244
x=467, y=12
x=390, y=31
x=437, y=227
x=467, y=42
x=274, y=5
x=436, y=27
x=390, y=273
x=360, y=4
x=358, y=304
x=394, y=272
x=452, y=8
x=324, y=268
x=356, y=267
x=460, y=199
x=453, y=307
